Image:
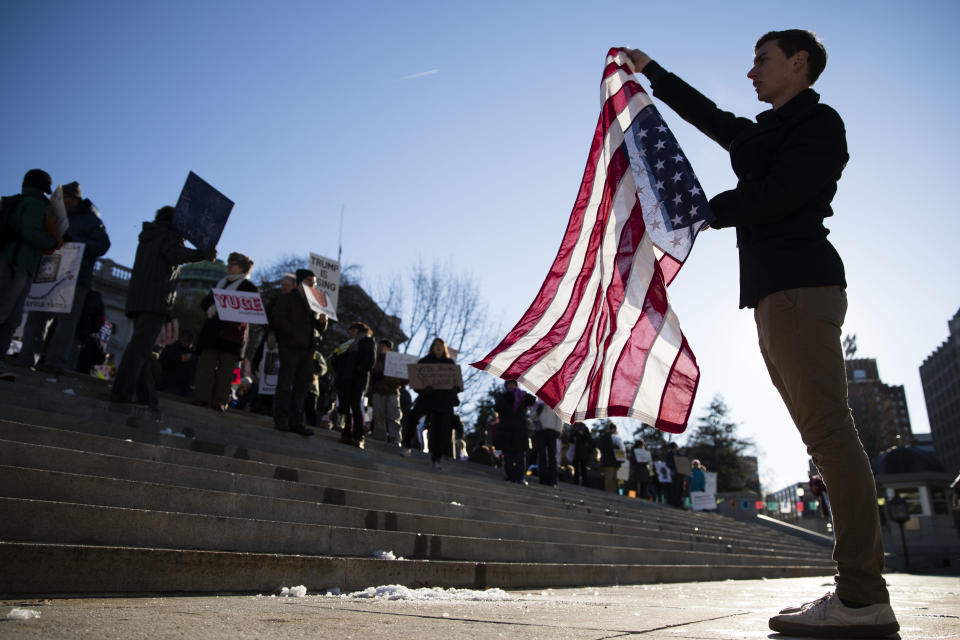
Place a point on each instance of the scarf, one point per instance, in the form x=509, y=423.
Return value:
x=226, y=282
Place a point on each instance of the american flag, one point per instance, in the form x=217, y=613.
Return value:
x=601, y=339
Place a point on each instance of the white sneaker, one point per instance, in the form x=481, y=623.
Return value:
x=803, y=606
x=827, y=617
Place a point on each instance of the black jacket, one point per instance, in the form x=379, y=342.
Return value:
x=87, y=227
x=512, y=434
x=787, y=163
x=295, y=324
x=352, y=366
x=153, y=283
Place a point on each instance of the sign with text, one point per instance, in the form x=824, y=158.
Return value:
x=239, y=306
x=703, y=501
x=55, y=282
x=395, y=365
x=683, y=465
x=437, y=376
x=319, y=301
x=328, y=279
x=201, y=212
x=710, y=484
x=269, y=370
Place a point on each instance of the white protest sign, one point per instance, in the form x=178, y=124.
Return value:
x=328, y=279
x=59, y=211
x=319, y=301
x=703, y=501
x=395, y=365
x=269, y=369
x=239, y=306
x=710, y=484
x=55, y=281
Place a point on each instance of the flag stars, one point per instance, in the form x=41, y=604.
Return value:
x=659, y=166
x=660, y=145
x=678, y=199
x=695, y=191
x=660, y=186
x=677, y=240
x=677, y=176
x=662, y=128
x=677, y=221
x=693, y=212
x=677, y=158
x=642, y=134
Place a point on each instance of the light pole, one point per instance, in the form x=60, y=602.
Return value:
x=899, y=511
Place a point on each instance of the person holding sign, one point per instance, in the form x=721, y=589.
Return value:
x=221, y=342
x=297, y=327
x=352, y=362
x=150, y=297
x=438, y=406
x=27, y=233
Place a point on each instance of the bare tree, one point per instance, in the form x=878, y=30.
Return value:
x=439, y=301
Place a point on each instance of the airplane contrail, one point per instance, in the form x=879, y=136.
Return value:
x=420, y=75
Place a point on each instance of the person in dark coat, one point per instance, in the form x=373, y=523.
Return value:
x=221, y=343
x=150, y=296
x=31, y=232
x=583, y=452
x=297, y=328
x=788, y=164
x=437, y=405
x=608, y=458
x=352, y=362
x=177, y=363
x=512, y=437
x=86, y=227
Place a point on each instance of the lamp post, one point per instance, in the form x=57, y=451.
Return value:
x=899, y=511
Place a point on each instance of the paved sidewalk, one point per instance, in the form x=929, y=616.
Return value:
x=927, y=607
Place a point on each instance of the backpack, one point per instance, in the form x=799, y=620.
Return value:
x=8, y=204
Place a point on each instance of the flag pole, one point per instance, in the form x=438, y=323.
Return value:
x=340, y=238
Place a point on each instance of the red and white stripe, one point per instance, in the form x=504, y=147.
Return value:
x=600, y=339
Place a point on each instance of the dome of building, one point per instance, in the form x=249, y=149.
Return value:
x=906, y=460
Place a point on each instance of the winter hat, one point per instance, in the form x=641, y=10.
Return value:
x=38, y=179
x=303, y=274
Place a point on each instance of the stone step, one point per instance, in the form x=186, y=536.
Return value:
x=49, y=486
x=721, y=527
x=158, y=465
x=50, y=569
x=68, y=523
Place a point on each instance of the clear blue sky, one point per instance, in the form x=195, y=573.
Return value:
x=459, y=131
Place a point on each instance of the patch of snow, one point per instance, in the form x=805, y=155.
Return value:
x=380, y=554
x=400, y=592
x=293, y=592
x=167, y=431
x=334, y=591
x=455, y=503
x=70, y=392
x=49, y=379
x=23, y=614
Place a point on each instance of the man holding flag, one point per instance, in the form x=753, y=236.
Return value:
x=788, y=163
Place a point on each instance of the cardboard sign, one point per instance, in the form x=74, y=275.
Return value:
x=239, y=306
x=437, y=376
x=269, y=370
x=395, y=365
x=319, y=301
x=328, y=279
x=703, y=501
x=710, y=486
x=55, y=282
x=201, y=212
x=59, y=211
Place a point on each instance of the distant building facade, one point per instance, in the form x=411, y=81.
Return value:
x=940, y=377
x=196, y=280
x=879, y=409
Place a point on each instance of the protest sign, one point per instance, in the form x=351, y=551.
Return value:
x=703, y=501
x=395, y=365
x=201, y=212
x=710, y=484
x=437, y=376
x=319, y=301
x=59, y=211
x=682, y=464
x=269, y=369
x=55, y=281
x=328, y=279
x=239, y=306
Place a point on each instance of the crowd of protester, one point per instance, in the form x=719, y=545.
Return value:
x=347, y=391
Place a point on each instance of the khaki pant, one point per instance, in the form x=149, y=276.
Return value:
x=799, y=332
x=214, y=376
x=386, y=416
x=610, y=483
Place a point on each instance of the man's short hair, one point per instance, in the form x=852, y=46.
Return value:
x=791, y=41
x=242, y=261
x=164, y=214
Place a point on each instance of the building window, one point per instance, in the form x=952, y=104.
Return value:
x=938, y=496
x=911, y=495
